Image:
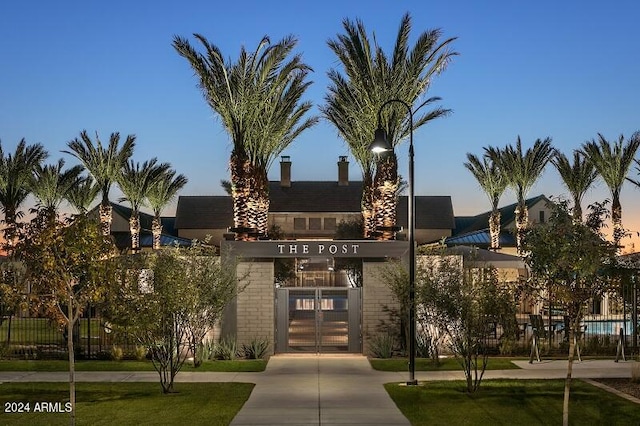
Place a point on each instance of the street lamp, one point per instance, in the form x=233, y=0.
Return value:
x=381, y=144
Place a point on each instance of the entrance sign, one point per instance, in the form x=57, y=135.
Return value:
x=301, y=248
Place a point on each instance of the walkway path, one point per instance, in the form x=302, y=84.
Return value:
x=329, y=390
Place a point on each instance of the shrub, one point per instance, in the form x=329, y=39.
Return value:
x=507, y=346
x=116, y=353
x=227, y=349
x=205, y=351
x=140, y=353
x=381, y=345
x=256, y=349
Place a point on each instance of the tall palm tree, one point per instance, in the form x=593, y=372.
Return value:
x=493, y=183
x=16, y=182
x=103, y=164
x=612, y=161
x=53, y=184
x=370, y=79
x=577, y=178
x=135, y=181
x=82, y=194
x=258, y=100
x=163, y=190
x=522, y=170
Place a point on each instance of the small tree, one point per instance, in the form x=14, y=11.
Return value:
x=168, y=300
x=65, y=264
x=466, y=306
x=572, y=261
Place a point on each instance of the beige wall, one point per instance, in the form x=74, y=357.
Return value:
x=285, y=221
x=255, y=307
x=375, y=295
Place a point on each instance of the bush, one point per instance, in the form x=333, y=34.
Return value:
x=205, y=351
x=381, y=345
x=140, y=353
x=507, y=346
x=227, y=349
x=256, y=349
x=116, y=353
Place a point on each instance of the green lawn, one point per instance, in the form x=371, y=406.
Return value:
x=445, y=364
x=511, y=402
x=129, y=403
x=250, y=365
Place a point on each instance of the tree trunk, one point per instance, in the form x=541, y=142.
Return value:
x=522, y=220
x=386, y=197
x=616, y=220
x=567, y=382
x=368, y=212
x=72, y=365
x=105, y=218
x=240, y=193
x=134, y=228
x=258, y=214
x=156, y=229
x=494, y=229
x=577, y=210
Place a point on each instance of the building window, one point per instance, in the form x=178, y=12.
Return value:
x=330, y=224
x=315, y=223
x=541, y=216
x=299, y=223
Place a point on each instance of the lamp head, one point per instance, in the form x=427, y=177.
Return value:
x=380, y=143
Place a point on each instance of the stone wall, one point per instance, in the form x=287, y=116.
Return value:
x=255, y=308
x=375, y=295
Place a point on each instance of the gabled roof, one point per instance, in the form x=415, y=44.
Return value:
x=318, y=197
x=204, y=212
x=216, y=212
x=432, y=212
x=146, y=220
x=480, y=238
x=477, y=257
x=467, y=224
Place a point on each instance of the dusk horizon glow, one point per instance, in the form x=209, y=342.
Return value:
x=565, y=70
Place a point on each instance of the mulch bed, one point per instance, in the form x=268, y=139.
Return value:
x=622, y=385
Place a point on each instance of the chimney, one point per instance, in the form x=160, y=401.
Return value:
x=285, y=171
x=343, y=171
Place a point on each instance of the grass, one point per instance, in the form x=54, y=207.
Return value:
x=129, y=403
x=511, y=402
x=445, y=364
x=250, y=365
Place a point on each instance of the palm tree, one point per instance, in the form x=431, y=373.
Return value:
x=103, y=164
x=16, y=182
x=81, y=195
x=135, y=181
x=577, y=178
x=493, y=183
x=53, y=184
x=612, y=161
x=354, y=99
x=159, y=195
x=258, y=100
x=522, y=170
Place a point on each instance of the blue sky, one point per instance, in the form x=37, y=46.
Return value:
x=567, y=70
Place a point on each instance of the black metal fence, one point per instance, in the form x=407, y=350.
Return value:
x=30, y=337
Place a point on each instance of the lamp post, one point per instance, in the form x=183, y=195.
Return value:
x=381, y=144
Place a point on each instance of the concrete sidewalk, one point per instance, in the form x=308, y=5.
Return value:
x=330, y=390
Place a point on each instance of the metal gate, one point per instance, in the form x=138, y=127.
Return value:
x=318, y=320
